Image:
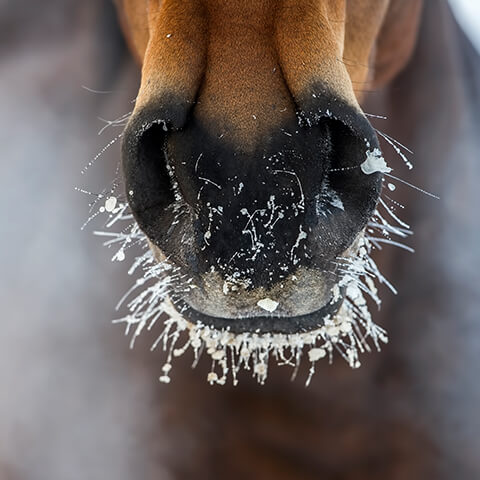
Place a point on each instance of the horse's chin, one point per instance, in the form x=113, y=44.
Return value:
x=300, y=303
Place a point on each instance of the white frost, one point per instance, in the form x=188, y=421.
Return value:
x=375, y=163
x=268, y=304
x=110, y=204
x=347, y=332
x=316, y=354
x=336, y=202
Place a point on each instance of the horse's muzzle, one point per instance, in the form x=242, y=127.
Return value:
x=252, y=224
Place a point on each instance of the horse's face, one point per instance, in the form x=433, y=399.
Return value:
x=242, y=157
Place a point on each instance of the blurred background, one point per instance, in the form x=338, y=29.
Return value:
x=468, y=14
x=62, y=363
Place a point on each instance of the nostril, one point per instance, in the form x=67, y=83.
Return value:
x=149, y=187
x=349, y=150
x=342, y=198
x=298, y=201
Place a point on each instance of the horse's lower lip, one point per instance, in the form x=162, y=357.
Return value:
x=263, y=324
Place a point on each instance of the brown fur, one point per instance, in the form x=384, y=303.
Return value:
x=256, y=59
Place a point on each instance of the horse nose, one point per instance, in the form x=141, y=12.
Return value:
x=298, y=199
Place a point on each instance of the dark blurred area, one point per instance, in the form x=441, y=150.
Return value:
x=73, y=397
x=62, y=363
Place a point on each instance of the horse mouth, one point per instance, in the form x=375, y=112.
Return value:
x=338, y=321
x=268, y=323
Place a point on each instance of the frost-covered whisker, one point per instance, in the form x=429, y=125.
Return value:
x=160, y=286
x=397, y=146
x=413, y=186
x=149, y=300
x=98, y=198
x=118, y=122
x=380, y=117
x=394, y=141
x=101, y=152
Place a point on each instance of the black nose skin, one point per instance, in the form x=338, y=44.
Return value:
x=319, y=101
x=148, y=184
x=299, y=200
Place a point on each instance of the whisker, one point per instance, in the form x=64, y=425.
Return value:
x=412, y=186
x=100, y=92
x=119, y=122
x=394, y=145
x=102, y=151
x=381, y=117
x=396, y=142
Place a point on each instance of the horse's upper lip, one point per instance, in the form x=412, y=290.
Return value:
x=262, y=324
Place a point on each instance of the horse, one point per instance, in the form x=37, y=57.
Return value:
x=238, y=75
